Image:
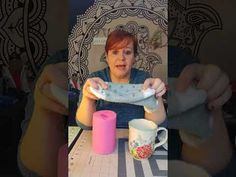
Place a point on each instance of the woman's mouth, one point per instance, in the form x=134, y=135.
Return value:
x=121, y=66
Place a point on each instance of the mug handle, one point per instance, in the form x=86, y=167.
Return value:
x=164, y=140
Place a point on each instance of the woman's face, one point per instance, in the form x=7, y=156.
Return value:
x=120, y=61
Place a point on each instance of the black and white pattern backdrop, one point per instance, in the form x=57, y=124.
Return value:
x=104, y=12
x=22, y=31
x=23, y=27
x=190, y=22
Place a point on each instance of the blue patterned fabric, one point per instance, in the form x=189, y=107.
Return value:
x=128, y=93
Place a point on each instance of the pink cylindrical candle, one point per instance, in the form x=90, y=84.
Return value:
x=104, y=132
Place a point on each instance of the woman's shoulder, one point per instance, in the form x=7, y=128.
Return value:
x=138, y=72
x=103, y=74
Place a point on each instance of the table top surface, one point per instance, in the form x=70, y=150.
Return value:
x=83, y=162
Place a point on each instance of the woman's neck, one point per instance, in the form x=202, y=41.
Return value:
x=120, y=80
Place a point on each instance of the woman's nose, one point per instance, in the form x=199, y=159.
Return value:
x=122, y=55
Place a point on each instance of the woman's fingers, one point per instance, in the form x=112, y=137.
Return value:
x=156, y=84
x=146, y=84
x=188, y=75
x=93, y=82
x=219, y=87
x=151, y=83
x=221, y=100
x=47, y=101
x=100, y=82
x=54, y=73
x=209, y=77
x=206, y=75
x=160, y=88
x=89, y=94
x=161, y=93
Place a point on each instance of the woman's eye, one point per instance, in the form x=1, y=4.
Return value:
x=115, y=52
x=128, y=52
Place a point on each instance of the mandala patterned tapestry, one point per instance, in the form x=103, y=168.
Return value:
x=146, y=19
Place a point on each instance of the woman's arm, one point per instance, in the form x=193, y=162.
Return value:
x=214, y=153
x=39, y=146
x=87, y=105
x=160, y=114
x=85, y=111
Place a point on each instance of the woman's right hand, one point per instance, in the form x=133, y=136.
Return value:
x=43, y=96
x=93, y=82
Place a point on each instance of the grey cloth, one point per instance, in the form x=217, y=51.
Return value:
x=187, y=111
x=195, y=121
x=128, y=93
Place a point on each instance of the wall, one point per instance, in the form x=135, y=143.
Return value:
x=219, y=46
x=49, y=33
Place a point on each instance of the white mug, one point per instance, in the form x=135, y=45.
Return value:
x=142, y=135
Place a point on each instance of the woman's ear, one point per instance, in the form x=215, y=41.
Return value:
x=106, y=57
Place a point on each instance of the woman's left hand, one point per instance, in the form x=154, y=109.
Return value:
x=157, y=84
x=211, y=79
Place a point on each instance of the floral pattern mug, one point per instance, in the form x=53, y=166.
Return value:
x=142, y=135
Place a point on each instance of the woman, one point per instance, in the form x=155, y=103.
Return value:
x=121, y=50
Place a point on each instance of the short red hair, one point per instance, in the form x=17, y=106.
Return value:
x=118, y=39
